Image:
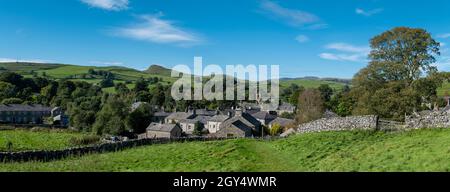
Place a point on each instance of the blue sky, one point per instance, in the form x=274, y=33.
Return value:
x=325, y=38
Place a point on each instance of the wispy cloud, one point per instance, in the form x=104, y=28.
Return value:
x=106, y=63
x=302, y=38
x=444, y=36
x=110, y=5
x=9, y=60
x=289, y=16
x=152, y=28
x=368, y=13
x=443, y=64
x=346, y=52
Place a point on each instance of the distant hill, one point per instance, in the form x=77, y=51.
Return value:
x=124, y=74
x=158, y=70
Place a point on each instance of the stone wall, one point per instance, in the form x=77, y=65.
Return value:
x=428, y=119
x=369, y=122
x=50, y=155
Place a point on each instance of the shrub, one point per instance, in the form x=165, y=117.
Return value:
x=85, y=140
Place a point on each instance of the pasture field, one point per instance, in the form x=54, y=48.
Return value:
x=419, y=150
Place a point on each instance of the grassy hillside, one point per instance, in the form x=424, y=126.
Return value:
x=31, y=140
x=75, y=72
x=444, y=89
x=421, y=150
x=123, y=74
x=158, y=70
x=309, y=83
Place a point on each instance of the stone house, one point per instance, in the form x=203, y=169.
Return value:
x=178, y=116
x=155, y=130
x=24, y=114
x=235, y=128
x=241, y=125
x=160, y=116
x=213, y=124
x=264, y=117
x=286, y=108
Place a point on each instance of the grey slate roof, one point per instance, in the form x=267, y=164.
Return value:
x=286, y=107
x=161, y=114
x=181, y=116
x=202, y=119
x=219, y=118
x=264, y=115
x=17, y=107
x=245, y=118
x=205, y=112
x=161, y=127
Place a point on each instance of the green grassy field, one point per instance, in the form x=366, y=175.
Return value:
x=444, y=89
x=310, y=83
x=35, y=140
x=421, y=150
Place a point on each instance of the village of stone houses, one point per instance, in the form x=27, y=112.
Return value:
x=362, y=90
x=49, y=123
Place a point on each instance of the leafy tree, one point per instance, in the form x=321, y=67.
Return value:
x=7, y=90
x=12, y=78
x=326, y=91
x=139, y=119
x=403, y=54
x=276, y=130
x=12, y=101
x=140, y=85
x=399, y=77
x=310, y=105
x=121, y=89
x=105, y=83
x=110, y=119
x=198, y=129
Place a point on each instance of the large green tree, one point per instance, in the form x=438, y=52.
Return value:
x=400, y=76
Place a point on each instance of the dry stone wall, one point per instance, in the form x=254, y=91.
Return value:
x=428, y=119
x=50, y=155
x=369, y=122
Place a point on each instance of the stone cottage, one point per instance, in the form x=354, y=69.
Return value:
x=178, y=116
x=241, y=125
x=213, y=124
x=264, y=117
x=156, y=130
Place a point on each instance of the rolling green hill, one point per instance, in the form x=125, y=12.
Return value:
x=81, y=73
x=419, y=150
x=311, y=83
x=158, y=70
x=123, y=74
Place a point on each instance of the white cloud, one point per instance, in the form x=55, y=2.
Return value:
x=342, y=57
x=444, y=36
x=111, y=5
x=443, y=63
x=9, y=60
x=348, y=48
x=368, y=13
x=106, y=63
x=292, y=17
x=302, y=38
x=345, y=52
x=154, y=29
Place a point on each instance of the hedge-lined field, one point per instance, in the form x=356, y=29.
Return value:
x=421, y=150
